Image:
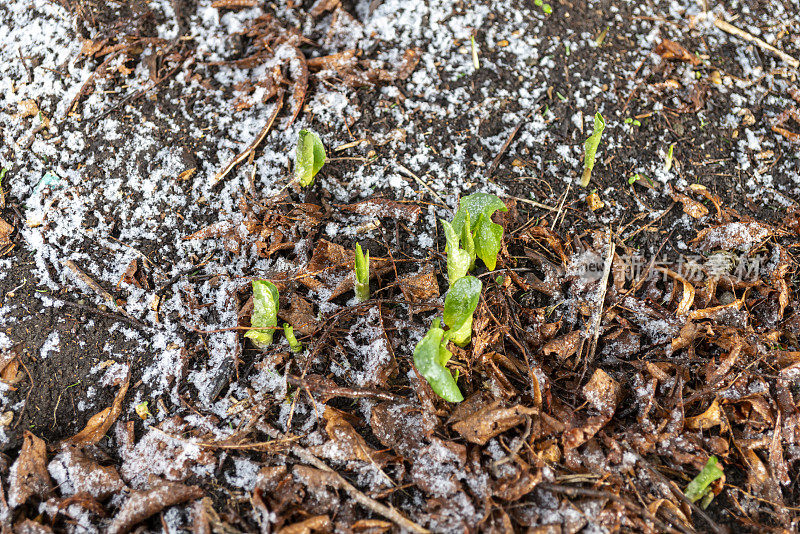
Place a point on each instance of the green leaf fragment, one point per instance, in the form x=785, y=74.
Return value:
x=294, y=345
x=309, y=158
x=699, y=488
x=668, y=159
x=361, y=274
x=488, y=241
x=458, y=259
x=459, y=307
x=265, y=314
x=473, y=206
x=430, y=357
x=590, y=148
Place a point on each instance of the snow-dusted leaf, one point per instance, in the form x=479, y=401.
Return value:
x=265, y=313
x=459, y=307
x=473, y=206
x=28, y=475
x=99, y=423
x=488, y=241
x=309, y=158
x=430, y=358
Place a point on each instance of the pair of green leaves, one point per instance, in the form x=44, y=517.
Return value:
x=264, y=319
x=473, y=229
x=361, y=269
x=309, y=157
x=699, y=489
x=431, y=354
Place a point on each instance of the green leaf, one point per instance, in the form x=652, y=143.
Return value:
x=473, y=206
x=430, y=357
x=699, y=488
x=295, y=345
x=361, y=274
x=590, y=148
x=265, y=313
x=488, y=241
x=468, y=241
x=309, y=157
x=458, y=259
x=459, y=306
x=668, y=159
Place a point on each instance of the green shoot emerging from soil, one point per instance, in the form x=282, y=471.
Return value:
x=295, y=345
x=699, y=488
x=475, y=215
x=459, y=306
x=265, y=313
x=309, y=158
x=590, y=147
x=361, y=274
x=459, y=260
x=430, y=357
x=668, y=158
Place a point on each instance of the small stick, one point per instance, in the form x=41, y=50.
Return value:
x=750, y=38
x=425, y=185
x=532, y=203
x=598, y=311
x=247, y=151
x=496, y=162
x=335, y=391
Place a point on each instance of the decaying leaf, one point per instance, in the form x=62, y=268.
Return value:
x=76, y=473
x=98, y=424
x=5, y=233
x=712, y=417
x=142, y=504
x=385, y=208
x=673, y=51
x=564, y=346
x=345, y=443
x=420, y=287
x=28, y=475
x=490, y=421
x=690, y=206
x=318, y=523
x=735, y=235
x=602, y=392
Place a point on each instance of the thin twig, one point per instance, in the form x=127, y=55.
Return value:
x=496, y=162
x=425, y=185
x=531, y=202
x=336, y=391
x=750, y=38
x=252, y=146
x=601, y=296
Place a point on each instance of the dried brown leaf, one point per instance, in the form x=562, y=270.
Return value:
x=5, y=233
x=490, y=421
x=734, y=235
x=691, y=207
x=28, y=475
x=78, y=474
x=421, y=286
x=712, y=417
x=673, y=51
x=602, y=392
x=564, y=346
x=98, y=424
x=143, y=504
x=319, y=523
x=385, y=208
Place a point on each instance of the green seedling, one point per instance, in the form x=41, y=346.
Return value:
x=309, y=157
x=294, y=345
x=561, y=97
x=361, y=269
x=547, y=8
x=475, y=213
x=459, y=307
x=699, y=488
x=668, y=159
x=430, y=357
x=634, y=122
x=601, y=37
x=459, y=260
x=265, y=314
x=590, y=147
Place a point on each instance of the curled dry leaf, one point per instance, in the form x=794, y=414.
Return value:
x=673, y=51
x=674, y=510
x=490, y=421
x=564, y=346
x=602, y=392
x=345, y=443
x=420, y=287
x=687, y=299
x=76, y=473
x=691, y=207
x=402, y=426
x=712, y=417
x=143, y=504
x=99, y=423
x=734, y=235
x=5, y=233
x=318, y=523
x=28, y=475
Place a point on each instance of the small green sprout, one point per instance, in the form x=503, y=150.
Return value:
x=459, y=260
x=459, y=307
x=361, y=269
x=634, y=122
x=547, y=8
x=590, y=147
x=668, y=159
x=142, y=410
x=309, y=157
x=699, y=488
x=265, y=313
x=602, y=36
x=295, y=345
x=475, y=214
x=430, y=357
x=561, y=97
